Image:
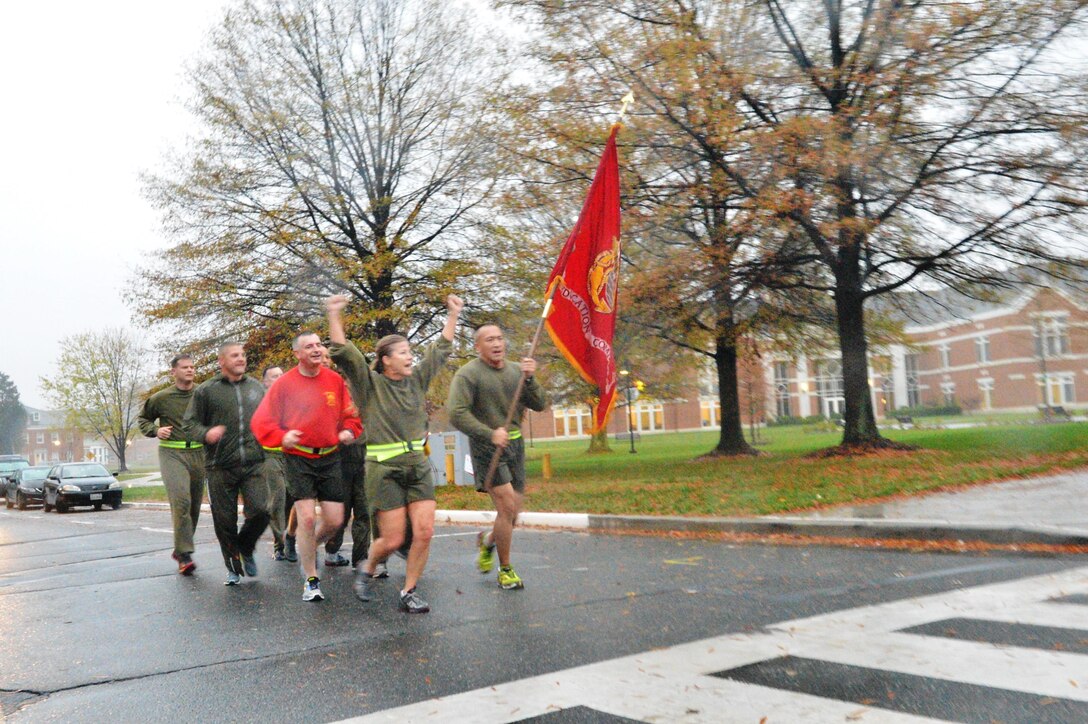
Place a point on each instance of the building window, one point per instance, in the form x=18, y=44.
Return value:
x=887, y=394
x=782, y=406
x=1058, y=388
x=649, y=416
x=910, y=367
x=948, y=390
x=35, y=417
x=40, y=457
x=1051, y=337
x=55, y=436
x=710, y=411
x=986, y=389
x=41, y=437
x=982, y=348
x=946, y=356
x=829, y=387
x=573, y=421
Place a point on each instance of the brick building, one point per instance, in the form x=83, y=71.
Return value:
x=983, y=356
x=49, y=439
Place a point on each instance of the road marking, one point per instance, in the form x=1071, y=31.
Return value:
x=156, y=530
x=681, y=683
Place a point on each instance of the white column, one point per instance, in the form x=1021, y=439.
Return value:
x=804, y=387
x=899, y=375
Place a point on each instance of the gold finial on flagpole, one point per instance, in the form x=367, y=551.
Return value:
x=626, y=101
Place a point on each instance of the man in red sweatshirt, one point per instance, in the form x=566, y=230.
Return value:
x=309, y=413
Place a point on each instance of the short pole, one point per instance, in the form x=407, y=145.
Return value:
x=451, y=472
x=546, y=466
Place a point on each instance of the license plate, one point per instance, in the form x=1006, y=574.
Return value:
x=96, y=496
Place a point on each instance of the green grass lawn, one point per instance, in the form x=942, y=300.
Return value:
x=663, y=478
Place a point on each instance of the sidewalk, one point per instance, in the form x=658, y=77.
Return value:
x=1050, y=510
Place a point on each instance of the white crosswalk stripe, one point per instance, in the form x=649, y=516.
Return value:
x=678, y=683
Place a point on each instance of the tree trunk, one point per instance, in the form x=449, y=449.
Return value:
x=598, y=443
x=731, y=440
x=859, y=419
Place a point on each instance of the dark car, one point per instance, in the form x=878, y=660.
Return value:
x=26, y=487
x=71, y=484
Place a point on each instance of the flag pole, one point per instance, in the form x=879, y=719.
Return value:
x=626, y=101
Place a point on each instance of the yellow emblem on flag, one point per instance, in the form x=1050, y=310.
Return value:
x=603, y=279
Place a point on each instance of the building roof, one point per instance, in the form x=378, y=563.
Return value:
x=46, y=418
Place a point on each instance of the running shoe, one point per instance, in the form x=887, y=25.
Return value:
x=380, y=571
x=485, y=561
x=363, y=586
x=335, y=560
x=234, y=564
x=289, y=550
x=278, y=555
x=233, y=579
x=508, y=579
x=311, y=590
x=186, y=566
x=412, y=603
x=249, y=565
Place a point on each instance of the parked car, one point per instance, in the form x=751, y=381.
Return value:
x=71, y=484
x=9, y=464
x=26, y=487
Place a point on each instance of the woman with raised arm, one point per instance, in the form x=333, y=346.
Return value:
x=391, y=401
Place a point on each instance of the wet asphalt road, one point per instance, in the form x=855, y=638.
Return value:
x=95, y=625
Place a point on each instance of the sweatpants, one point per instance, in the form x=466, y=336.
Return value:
x=182, y=472
x=225, y=485
x=275, y=471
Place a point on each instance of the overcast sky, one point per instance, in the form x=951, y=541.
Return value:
x=92, y=98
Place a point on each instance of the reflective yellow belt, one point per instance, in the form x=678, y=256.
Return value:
x=272, y=449
x=317, y=450
x=392, y=449
x=179, y=444
x=515, y=435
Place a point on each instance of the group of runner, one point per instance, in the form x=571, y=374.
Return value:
x=351, y=444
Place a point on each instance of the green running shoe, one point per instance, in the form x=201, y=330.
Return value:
x=508, y=579
x=485, y=561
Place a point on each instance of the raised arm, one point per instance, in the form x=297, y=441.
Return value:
x=334, y=307
x=454, y=305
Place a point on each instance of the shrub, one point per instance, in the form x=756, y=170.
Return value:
x=927, y=411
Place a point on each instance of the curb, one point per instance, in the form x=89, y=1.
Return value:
x=848, y=528
x=770, y=525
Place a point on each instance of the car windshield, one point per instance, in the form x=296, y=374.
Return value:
x=7, y=466
x=87, y=470
x=32, y=475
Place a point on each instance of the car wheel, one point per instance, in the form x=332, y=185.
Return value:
x=7, y=501
x=46, y=505
x=62, y=507
x=98, y=506
x=116, y=505
x=20, y=500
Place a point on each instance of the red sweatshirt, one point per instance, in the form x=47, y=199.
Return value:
x=319, y=406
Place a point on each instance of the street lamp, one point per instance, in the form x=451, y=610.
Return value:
x=626, y=375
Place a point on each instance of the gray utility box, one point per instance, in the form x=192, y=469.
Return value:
x=456, y=444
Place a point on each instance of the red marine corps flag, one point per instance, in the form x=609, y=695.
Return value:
x=583, y=286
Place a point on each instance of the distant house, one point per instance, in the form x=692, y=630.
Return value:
x=50, y=439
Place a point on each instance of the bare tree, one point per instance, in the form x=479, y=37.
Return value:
x=98, y=382
x=344, y=146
